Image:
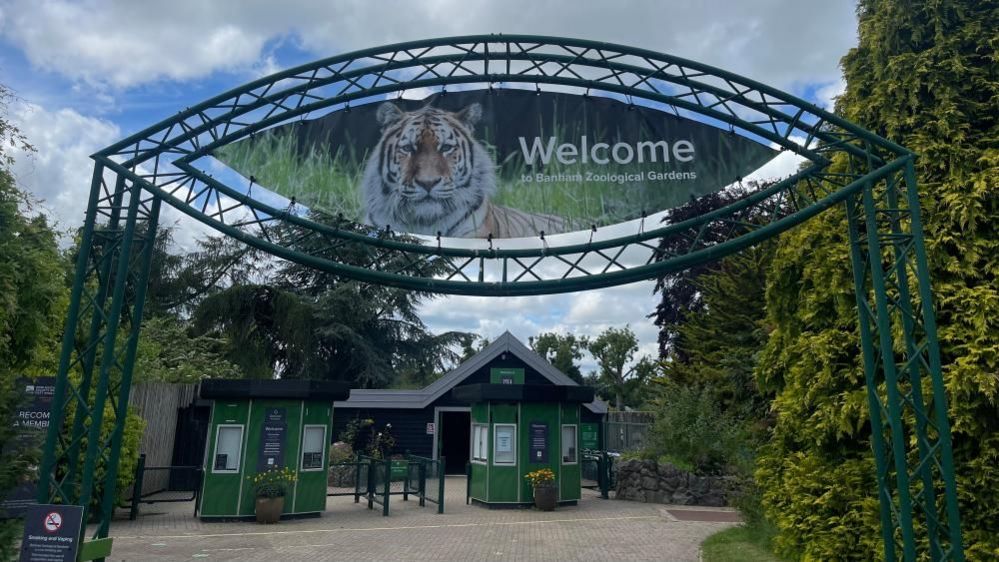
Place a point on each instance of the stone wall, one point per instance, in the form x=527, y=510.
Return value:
x=652, y=482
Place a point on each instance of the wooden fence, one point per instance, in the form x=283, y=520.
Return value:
x=157, y=403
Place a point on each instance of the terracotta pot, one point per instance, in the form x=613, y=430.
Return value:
x=269, y=510
x=545, y=497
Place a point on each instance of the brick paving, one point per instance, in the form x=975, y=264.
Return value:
x=596, y=529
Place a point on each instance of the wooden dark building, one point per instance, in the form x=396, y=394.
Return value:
x=429, y=422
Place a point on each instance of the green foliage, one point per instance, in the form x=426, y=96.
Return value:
x=923, y=75
x=563, y=351
x=363, y=437
x=614, y=349
x=694, y=433
x=717, y=345
x=301, y=322
x=31, y=290
x=32, y=300
x=739, y=544
x=127, y=461
x=168, y=353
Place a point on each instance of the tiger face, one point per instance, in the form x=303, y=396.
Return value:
x=428, y=174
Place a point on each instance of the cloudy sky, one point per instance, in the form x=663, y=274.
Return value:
x=91, y=72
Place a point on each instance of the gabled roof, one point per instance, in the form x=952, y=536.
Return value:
x=506, y=343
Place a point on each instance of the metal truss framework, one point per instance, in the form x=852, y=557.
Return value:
x=872, y=177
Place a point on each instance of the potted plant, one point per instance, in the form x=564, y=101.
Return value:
x=543, y=482
x=270, y=488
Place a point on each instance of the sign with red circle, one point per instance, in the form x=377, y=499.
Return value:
x=53, y=522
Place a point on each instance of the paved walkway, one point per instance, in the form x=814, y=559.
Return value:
x=596, y=529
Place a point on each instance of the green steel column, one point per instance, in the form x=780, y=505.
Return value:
x=97, y=319
x=94, y=441
x=882, y=319
x=125, y=385
x=900, y=242
x=885, y=497
x=46, y=480
x=936, y=372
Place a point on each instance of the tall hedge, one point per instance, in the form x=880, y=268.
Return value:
x=925, y=74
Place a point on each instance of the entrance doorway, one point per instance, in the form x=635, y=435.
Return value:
x=454, y=441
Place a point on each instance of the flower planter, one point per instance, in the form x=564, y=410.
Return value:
x=269, y=510
x=545, y=497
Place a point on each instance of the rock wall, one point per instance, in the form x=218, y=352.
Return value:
x=652, y=482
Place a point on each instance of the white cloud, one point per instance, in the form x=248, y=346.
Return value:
x=828, y=94
x=583, y=314
x=59, y=172
x=125, y=43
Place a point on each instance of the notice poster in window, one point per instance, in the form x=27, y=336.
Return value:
x=504, y=440
x=539, y=443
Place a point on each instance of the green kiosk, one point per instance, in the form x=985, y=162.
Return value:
x=521, y=428
x=257, y=425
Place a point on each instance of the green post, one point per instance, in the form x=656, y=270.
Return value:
x=370, y=488
x=125, y=384
x=140, y=469
x=422, y=471
x=387, y=487
x=900, y=243
x=882, y=319
x=936, y=373
x=111, y=238
x=47, y=480
x=885, y=499
x=440, y=485
x=357, y=478
x=94, y=440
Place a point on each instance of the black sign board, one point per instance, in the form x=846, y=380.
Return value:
x=31, y=421
x=539, y=443
x=272, y=438
x=51, y=533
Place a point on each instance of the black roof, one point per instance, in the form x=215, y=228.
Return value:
x=421, y=398
x=522, y=393
x=291, y=389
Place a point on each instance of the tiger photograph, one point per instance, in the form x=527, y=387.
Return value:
x=428, y=174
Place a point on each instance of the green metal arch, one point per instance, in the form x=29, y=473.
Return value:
x=874, y=180
x=173, y=147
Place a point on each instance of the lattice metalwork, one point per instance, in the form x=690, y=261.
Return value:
x=167, y=163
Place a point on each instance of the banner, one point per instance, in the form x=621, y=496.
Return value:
x=505, y=163
x=31, y=423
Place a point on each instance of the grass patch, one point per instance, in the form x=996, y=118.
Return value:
x=741, y=544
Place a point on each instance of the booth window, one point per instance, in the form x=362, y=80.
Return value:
x=568, y=444
x=228, y=445
x=505, y=443
x=480, y=442
x=313, y=440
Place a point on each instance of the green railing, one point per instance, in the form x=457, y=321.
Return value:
x=598, y=471
x=425, y=479
x=348, y=478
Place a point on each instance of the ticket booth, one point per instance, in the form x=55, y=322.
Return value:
x=520, y=428
x=257, y=425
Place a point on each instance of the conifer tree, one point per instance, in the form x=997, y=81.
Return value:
x=925, y=75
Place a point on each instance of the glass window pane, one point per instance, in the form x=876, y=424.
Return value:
x=505, y=444
x=568, y=443
x=480, y=441
x=313, y=446
x=227, y=448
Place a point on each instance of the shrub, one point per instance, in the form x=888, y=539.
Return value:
x=693, y=433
